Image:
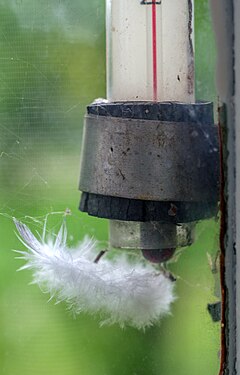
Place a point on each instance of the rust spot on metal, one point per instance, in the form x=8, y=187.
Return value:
x=223, y=230
x=173, y=210
x=160, y=139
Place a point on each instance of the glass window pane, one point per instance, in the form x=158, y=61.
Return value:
x=52, y=65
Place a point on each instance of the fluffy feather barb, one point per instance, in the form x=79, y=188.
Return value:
x=122, y=292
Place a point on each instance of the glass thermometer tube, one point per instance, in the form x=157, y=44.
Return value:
x=150, y=50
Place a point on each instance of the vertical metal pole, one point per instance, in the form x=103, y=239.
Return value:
x=223, y=19
x=237, y=197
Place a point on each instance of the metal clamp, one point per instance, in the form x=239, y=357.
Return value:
x=149, y=159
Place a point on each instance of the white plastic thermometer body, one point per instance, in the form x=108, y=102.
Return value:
x=150, y=50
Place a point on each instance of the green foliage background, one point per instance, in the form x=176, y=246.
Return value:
x=52, y=64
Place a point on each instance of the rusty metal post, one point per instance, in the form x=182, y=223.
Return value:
x=224, y=14
x=237, y=131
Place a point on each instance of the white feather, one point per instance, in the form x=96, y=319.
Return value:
x=122, y=292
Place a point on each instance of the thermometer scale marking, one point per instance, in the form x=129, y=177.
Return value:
x=145, y=2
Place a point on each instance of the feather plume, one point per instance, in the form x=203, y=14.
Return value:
x=122, y=292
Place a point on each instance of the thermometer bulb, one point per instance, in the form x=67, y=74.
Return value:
x=158, y=256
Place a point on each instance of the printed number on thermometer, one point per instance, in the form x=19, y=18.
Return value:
x=145, y=2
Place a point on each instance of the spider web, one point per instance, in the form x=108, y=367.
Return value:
x=47, y=66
